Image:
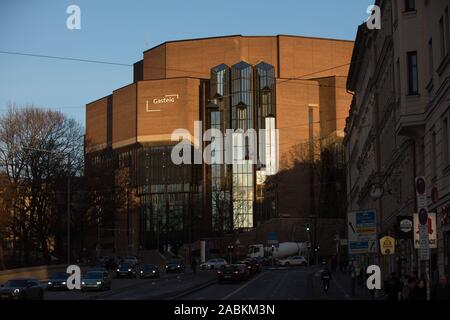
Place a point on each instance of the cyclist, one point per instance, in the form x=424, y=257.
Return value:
x=326, y=278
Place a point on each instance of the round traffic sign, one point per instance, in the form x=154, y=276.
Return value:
x=420, y=185
x=423, y=216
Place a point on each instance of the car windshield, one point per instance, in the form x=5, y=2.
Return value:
x=174, y=262
x=94, y=275
x=125, y=266
x=149, y=267
x=60, y=275
x=16, y=283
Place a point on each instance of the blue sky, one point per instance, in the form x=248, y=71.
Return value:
x=119, y=31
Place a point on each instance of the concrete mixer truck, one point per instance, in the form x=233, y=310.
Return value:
x=278, y=251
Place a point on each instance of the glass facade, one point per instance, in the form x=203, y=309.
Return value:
x=242, y=98
x=178, y=204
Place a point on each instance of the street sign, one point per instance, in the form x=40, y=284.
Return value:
x=422, y=217
x=421, y=192
x=362, y=232
x=430, y=226
x=272, y=238
x=387, y=245
x=404, y=227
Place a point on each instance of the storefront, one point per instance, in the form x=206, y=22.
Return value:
x=445, y=226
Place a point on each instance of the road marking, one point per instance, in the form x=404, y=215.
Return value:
x=242, y=287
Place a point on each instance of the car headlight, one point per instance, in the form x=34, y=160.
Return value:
x=49, y=283
x=129, y=270
x=178, y=266
x=16, y=291
x=153, y=271
x=63, y=283
x=83, y=283
x=118, y=270
x=142, y=271
x=99, y=282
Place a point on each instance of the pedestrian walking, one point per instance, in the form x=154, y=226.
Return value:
x=441, y=291
x=353, y=276
x=194, y=265
x=392, y=287
x=413, y=289
x=405, y=287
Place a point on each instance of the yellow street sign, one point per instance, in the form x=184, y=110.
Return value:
x=387, y=245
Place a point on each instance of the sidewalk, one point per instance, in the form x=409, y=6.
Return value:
x=341, y=288
x=361, y=292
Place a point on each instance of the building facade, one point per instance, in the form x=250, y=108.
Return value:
x=293, y=84
x=396, y=130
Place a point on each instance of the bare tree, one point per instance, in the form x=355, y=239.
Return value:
x=38, y=148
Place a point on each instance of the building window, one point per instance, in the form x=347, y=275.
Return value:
x=430, y=57
x=433, y=155
x=397, y=79
x=410, y=5
x=443, y=38
x=413, y=77
x=447, y=29
x=446, y=140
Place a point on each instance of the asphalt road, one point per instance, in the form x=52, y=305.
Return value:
x=294, y=283
x=165, y=287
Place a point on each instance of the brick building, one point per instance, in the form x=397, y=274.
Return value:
x=290, y=83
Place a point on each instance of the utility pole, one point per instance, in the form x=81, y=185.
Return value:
x=68, y=208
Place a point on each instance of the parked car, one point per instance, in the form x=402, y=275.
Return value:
x=95, y=280
x=149, y=271
x=293, y=261
x=58, y=281
x=22, y=289
x=213, y=264
x=126, y=269
x=233, y=272
x=175, y=266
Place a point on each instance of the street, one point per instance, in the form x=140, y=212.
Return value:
x=294, y=283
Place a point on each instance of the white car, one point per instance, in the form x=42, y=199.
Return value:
x=213, y=264
x=293, y=261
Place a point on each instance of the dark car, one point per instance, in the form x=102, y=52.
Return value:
x=126, y=270
x=175, y=266
x=255, y=266
x=22, y=289
x=98, y=269
x=233, y=272
x=58, y=281
x=252, y=269
x=149, y=271
x=262, y=261
x=96, y=280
